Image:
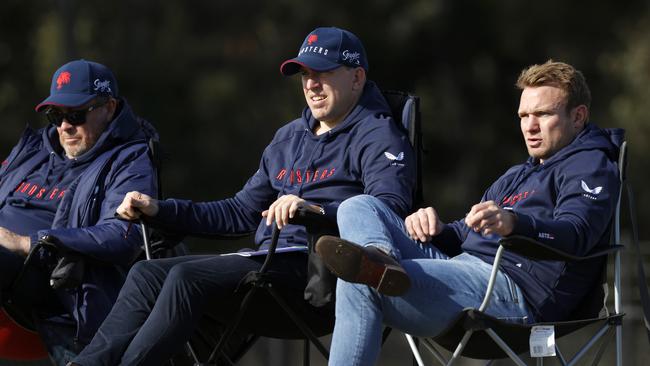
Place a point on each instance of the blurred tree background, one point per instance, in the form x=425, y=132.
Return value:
x=206, y=73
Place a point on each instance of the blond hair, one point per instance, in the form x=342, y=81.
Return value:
x=559, y=75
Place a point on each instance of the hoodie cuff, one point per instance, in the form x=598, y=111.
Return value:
x=35, y=237
x=331, y=209
x=167, y=212
x=525, y=225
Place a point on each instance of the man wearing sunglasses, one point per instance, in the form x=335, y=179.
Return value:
x=59, y=188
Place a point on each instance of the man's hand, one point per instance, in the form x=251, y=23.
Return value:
x=16, y=243
x=423, y=224
x=284, y=208
x=488, y=218
x=136, y=204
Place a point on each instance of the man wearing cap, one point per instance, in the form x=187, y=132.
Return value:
x=59, y=188
x=335, y=150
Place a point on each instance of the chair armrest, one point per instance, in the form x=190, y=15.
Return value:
x=534, y=249
x=315, y=223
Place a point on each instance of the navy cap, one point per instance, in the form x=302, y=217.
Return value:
x=77, y=82
x=325, y=49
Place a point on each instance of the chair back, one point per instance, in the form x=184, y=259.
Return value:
x=405, y=108
x=594, y=304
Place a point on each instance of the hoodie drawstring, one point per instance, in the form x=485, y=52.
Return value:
x=309, y=165
x=295, y=159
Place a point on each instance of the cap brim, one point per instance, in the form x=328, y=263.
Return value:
x=293, y=65
x=65, y=100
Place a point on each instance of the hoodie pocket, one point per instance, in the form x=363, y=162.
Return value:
x=514, y=294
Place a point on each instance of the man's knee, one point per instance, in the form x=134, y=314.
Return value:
x=358, y=204
x=354, y=292
x=182, y=273
x=140, y=268
x=145, y=272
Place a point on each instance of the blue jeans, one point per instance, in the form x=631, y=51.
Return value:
x=440, y=287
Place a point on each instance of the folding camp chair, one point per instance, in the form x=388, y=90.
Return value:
x=299, y=319
x=475, y=334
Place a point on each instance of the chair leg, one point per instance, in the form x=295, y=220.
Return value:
x=299, y=323
x=190, y=350
x=385, y=334
x=461, y=346
x=513, y=356
x=438, y=356
x=417, y=358
x=305, y=352
x=416, y=362
x=619, y=345
x=244, y=349
x=232, y=326
x=587, y=346
x=559, y=355
x=603, y=347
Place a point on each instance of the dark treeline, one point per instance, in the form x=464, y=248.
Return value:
x=206, y=73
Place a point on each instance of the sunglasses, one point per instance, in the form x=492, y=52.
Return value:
x=75, y=118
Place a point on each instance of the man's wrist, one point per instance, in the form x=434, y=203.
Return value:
x=24, y=244
x=18, y=244
x=513, y=222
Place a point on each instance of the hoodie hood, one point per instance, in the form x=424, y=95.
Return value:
x=371, y=102
x=590, y=138
x=608, y=140
x=125, y=127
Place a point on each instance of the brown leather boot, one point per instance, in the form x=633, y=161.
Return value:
x=367, y=265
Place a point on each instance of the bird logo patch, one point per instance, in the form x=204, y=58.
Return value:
x=590, y=193
x=395, y=159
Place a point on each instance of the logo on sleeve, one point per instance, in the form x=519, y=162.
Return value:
x=547, y=236
x=395, y=159
x=590, y=193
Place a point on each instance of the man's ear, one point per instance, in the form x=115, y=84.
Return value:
x=359, y=78
x=111, y=107
x=580, y=116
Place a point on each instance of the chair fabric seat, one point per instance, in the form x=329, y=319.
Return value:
x=280, y=325
x=481, y=345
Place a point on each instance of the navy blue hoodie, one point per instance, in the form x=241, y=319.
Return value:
x=365, y=154
x=84, y=221
x=567, y=202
